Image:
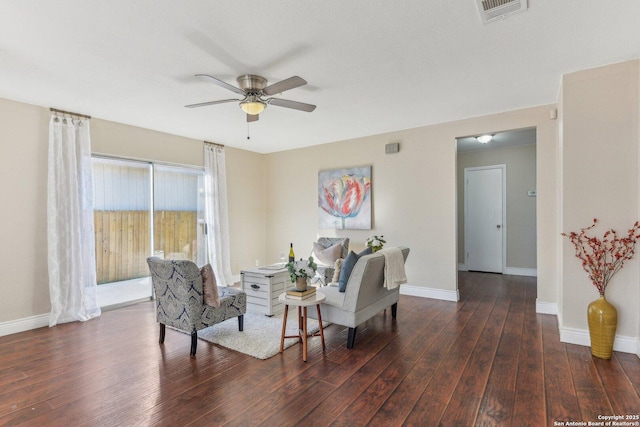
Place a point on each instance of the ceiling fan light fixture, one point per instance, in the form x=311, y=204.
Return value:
x=483, y=139
x=257, y=95
x=253, y=107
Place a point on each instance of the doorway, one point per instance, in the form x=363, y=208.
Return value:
x=485, y=217
x=516, y=149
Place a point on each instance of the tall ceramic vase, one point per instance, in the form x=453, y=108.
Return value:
x=301, y=284
x=603, y=321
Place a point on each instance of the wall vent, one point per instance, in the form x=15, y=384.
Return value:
x=492, y=10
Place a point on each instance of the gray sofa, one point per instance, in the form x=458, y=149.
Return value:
x=363, y=298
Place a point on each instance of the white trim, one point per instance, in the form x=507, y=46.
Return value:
x=424, y=292
x=462, y=267
x=622, y=343
x=26, y=324
x=543, y=307
x=517, y=271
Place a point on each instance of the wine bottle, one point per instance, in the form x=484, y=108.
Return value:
x=292, y=255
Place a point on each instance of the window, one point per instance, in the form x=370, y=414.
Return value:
x=121, y=211
x=178, y=201
x=128, y=230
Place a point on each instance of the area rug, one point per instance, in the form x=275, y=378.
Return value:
x=261, y=335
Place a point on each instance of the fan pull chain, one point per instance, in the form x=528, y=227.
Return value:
x=248, y=136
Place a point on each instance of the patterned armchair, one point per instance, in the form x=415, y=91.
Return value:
x=177, y=285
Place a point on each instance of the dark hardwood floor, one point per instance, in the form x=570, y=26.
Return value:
x=486, y=360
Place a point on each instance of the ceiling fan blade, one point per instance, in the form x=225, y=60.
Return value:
x=223, y=84
x=252, y=118
x=204, y=104
x=292, y=104
x=286, y=84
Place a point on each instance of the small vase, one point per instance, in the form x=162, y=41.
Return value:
x=603, y=321
x=301, y=284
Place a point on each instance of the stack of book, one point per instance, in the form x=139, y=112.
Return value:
x=300, y=295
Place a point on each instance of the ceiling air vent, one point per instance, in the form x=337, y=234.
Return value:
x=491, y=10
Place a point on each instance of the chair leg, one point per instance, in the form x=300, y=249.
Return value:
x=194, y=342
x=394, y=310
x=162, y=331
x=351, y=338
x=241, y=322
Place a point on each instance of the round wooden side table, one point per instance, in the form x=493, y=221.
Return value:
x=302, y=320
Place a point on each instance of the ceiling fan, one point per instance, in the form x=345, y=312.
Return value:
x=257, y=95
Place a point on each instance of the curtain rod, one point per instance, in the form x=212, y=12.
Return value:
x=213, y=143
x=55, y=110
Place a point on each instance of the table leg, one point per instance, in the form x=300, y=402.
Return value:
x=320, y=326
x=299, y=323
x=284, y=327
x=304, y=335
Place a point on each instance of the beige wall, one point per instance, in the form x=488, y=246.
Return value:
x=600, y=179
x=414, y=195
x=520, y=164
x=247, y=198
x=23, y=183
x=24, y=282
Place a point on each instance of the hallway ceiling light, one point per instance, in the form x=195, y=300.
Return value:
x=483, y=139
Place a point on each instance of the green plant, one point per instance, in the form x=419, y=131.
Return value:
x=302, y=268
x=375, y=243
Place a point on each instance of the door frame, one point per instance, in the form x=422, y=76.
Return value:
x=503, y=167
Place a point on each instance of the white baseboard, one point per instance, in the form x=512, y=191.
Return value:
x=581, y=337
x=515, y=271
x=462, y=267
x=26, y=324
x=424, y=292
x=543, y=307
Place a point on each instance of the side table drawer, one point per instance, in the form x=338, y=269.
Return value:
x=257, y=290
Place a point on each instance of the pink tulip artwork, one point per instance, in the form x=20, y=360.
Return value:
x=344, y=198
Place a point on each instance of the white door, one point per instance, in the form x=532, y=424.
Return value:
x=484, y=217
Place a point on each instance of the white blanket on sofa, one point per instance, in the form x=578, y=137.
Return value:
x=394, y=273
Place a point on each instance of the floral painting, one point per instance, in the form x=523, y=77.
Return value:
x=344, y=198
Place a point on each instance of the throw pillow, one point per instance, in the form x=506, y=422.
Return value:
x=327, y=256
x=336, y=270
x=366, y=251
x=338, y=277
x=345, y=272
x=209, y=286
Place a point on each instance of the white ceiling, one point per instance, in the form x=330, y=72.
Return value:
x=373, y=66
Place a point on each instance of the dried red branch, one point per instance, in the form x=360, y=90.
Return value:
x=603, y=258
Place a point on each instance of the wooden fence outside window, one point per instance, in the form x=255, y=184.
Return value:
x=123, y=241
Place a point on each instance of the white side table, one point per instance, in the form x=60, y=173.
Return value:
x=302, y=320
x=263, y=285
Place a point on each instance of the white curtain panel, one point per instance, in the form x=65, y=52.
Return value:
x=216, y=213
x=70, y=234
